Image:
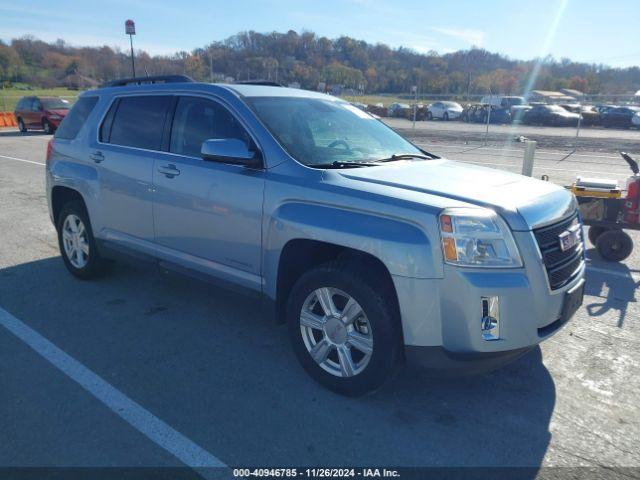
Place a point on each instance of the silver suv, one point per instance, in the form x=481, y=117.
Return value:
x=373, y=251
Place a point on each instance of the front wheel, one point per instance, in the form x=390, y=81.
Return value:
x=343, y=329
x=47, y=127
x=445, y=117
x=429, y=116
x=76, y=241
x=21, y=126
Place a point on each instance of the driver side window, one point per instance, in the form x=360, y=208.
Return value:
x=199, y=119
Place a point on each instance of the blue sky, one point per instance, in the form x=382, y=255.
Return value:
x=601, y=31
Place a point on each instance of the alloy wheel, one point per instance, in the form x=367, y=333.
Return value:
x=336, y=332
x=75, y=241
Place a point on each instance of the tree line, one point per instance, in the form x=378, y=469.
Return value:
x=309, y=60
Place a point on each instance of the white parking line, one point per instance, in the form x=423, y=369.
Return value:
x=21, y=160
x=135, y=415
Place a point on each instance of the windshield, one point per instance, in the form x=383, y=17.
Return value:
x=317, y=132
x=55, y=104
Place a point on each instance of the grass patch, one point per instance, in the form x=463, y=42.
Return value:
x=10, y=96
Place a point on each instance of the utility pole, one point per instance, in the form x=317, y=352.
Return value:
x=130, y=29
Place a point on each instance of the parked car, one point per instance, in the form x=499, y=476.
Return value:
x=589, y=114
x=553, y=115
x=444, y=111
x=619, y=117
x=41, y=113
x=635, y=120
x=503, y=101
x=398, y=109
x=480, y=114
x=377, y=109
x=373, y=251
x=603, y=109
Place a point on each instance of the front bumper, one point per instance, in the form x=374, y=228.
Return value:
x=438, y=361
x=446, y=312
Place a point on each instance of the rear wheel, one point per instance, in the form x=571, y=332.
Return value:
x=76, y=241
x=614, y=245
x=343, y=329
x=21, y=126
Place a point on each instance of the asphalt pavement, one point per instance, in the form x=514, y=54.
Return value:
x=141, y=368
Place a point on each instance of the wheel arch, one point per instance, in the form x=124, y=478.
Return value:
x=61, y=195
x=300, y=255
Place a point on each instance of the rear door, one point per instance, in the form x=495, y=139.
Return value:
x=129, y=141
x=207, y=214
x=33, y=114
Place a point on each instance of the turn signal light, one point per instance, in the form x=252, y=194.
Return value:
x=449, y=248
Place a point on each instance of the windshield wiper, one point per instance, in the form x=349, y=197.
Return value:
x=404, y=156
x=342, y=164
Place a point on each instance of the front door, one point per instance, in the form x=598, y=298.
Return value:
x=208, y=215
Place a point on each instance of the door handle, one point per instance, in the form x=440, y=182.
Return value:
x=97, y=157
x=169, y=171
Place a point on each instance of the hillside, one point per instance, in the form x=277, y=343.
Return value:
x=308, y=59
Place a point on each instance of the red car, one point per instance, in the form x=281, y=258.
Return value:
x=42, y=113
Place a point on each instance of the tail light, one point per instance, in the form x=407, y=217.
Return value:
x=49, y=149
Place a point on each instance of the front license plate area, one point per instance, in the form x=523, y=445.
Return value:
x=572, y=301
x=569, y=239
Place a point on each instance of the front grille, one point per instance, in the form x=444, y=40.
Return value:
x=561, y=267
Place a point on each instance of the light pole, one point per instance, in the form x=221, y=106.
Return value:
x=130, y=29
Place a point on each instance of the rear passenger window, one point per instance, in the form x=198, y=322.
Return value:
x=199, y=119
x=138, y=122
x=76, y=117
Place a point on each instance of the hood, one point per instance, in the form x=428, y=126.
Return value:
x=523, y=201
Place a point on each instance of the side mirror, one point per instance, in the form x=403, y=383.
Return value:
x=230, y=150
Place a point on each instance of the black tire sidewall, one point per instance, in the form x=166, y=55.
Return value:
x=385, y=329
x=94, y=263
x=21, y=126
x=47, y=127
x=604, y=242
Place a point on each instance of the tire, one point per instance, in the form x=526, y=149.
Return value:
x=594, y=233
x=614, y=245
x=47, y=127
x=429, y=116
x=79, y=253
x=21, y=126
x=348, y=366
x=445, y=117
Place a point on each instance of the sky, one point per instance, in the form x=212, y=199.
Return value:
x=593, y=31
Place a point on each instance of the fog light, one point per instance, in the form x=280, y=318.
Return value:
x=490, y=322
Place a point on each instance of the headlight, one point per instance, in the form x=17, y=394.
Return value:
x=477, y=237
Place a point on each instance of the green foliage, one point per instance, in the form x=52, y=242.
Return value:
x=310, y=60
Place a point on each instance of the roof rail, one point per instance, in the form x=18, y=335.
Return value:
x=121, y=82
x=266, y=83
